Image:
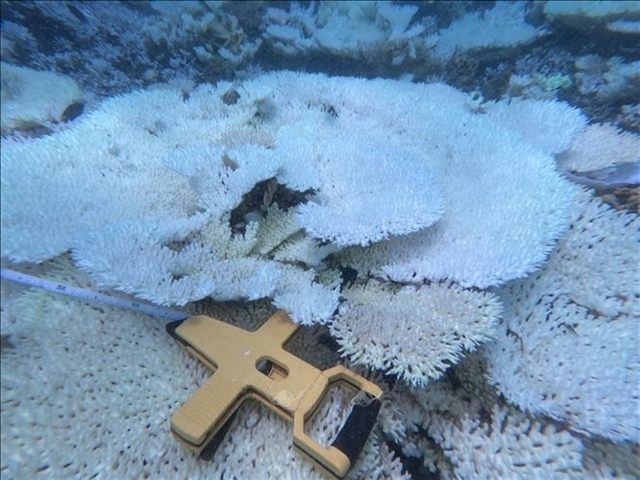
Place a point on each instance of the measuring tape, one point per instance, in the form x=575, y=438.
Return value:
x=84, y=294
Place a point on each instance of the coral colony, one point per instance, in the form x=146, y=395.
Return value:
x=443, y=195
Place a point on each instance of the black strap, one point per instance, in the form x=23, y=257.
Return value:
x=355, y=432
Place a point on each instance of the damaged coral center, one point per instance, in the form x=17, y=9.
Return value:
x=320, y=240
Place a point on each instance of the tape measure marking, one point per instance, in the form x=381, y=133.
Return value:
x=84, y=294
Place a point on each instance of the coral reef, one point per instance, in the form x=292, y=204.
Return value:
x=444, y=195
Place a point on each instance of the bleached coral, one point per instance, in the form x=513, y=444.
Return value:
x=551, y=126
x=277, y=227
x=31, y=98
x=174, y=250
x=624, y=26
x=576, y=269
x=221, y=176
x=509, y=444
x=377, y=30
x=567, y=346
x=610, y=460
x=590, y=15
x=610, y=79
x=309, y=300
x=341, y=210
x=461, y=427
x=379, y=462
x=471, y=439
x=160, y=194
x=167, y=185
x=354, y=29
x=300, y=248
x=470, y=244
x=564, y=367
x=56, y=186
x=152, y=270
x=600, y=146
x=504, y=25
x=175, y=181
x=104, y=382
x=158, y=271
x=75, y=363
x=415, y=335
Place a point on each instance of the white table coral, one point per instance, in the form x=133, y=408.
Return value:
x=568, y=344
x=414, y=334
x=384, y=159
x=32, y=98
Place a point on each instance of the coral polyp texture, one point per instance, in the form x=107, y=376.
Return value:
x=416, y=335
